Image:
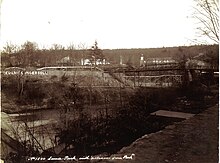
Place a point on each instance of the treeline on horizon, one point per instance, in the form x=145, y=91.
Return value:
x=30, y=55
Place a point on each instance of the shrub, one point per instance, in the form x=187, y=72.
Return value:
x=64, y=78
x=53, y=77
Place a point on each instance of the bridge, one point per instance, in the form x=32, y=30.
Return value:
x=149, y=76
x=160, y=75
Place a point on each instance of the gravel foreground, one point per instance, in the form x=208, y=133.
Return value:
x=194, y=140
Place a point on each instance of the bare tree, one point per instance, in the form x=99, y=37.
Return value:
x=82, y=48
x=10, y=48
x=57, y=47
x=206, y=14
x=7, y=57
x=73, y=54
x=28, y=49
x=71, y=46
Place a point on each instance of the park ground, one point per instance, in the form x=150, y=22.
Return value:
x=193, y=140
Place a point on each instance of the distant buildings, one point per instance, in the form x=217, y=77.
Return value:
x=89, y=62
x=156, y=61
x=201, y=60
x=65, y=61
x=142, y=61
x=164, y=60
x=68, y=61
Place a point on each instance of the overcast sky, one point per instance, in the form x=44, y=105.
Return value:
x=113, y=23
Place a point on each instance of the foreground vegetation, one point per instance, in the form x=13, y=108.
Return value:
x=103, y=119
x=106, y=118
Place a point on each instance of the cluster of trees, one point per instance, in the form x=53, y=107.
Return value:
x=107, y=132
x=30, y=55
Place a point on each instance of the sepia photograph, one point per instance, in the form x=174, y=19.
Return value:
x=109, y=81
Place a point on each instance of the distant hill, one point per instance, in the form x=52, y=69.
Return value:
x=134, y=55
x=42, y=58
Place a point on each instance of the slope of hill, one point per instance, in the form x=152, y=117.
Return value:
x=40, y=58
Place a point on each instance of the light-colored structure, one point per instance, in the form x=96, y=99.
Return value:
x=142, y=61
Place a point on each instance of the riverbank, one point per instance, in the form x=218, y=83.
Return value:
x=194, y=140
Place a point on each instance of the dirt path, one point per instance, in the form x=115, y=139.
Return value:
x=194, y=140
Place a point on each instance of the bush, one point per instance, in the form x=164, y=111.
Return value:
x=64, y=78
x=53, y=77
x=196, y=91
x=33, y=93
